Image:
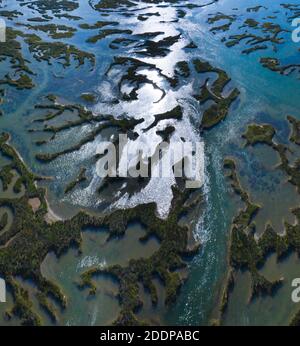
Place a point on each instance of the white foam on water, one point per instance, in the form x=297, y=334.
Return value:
x=159, y=189
x=91, y=261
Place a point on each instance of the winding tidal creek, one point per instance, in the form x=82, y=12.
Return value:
x=77, y=248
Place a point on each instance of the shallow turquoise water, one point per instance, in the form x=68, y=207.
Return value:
x=265, y=96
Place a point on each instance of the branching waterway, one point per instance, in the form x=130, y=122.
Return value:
x=77, y=73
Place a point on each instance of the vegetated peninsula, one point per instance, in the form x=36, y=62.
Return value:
x=74, y=76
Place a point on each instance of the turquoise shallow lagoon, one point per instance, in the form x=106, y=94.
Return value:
x=265, y=96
